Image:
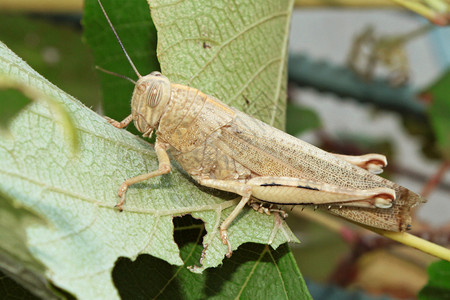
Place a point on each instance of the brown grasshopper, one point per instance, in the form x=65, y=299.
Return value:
x=223, y=148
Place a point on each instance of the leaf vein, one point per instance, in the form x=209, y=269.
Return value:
x=234, y=37
x=254, y=75
x=282, y=65
x=279, y=273
x=250, y=274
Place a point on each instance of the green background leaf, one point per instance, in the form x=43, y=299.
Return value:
x=299, y=119
x=15, y=258
x=438, y=286
x=236, y=52
x=53, y=47
x=439, y=112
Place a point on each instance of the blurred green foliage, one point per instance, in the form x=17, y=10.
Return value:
x=438, y=286
x=52, y=46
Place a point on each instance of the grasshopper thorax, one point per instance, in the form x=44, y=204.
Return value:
x=150, y=97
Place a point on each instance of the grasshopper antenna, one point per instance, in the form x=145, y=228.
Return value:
x=120, y=42
x=116, y=74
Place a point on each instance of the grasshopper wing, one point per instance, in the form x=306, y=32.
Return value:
x=269, y=152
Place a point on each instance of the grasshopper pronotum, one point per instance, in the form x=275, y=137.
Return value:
x=223, y=148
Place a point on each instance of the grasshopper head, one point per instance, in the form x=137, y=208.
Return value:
x=150, y=97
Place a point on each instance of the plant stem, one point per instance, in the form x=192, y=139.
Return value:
x=401, y=237
x=437, y=13
x=415, y=242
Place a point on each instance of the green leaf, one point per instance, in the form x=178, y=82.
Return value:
x=52, y=45
x=300, y=119
x=76, y=194
x=438, y=286
x=268, y=18
x=264, y=22
x=243, y=276
x=17, y=94
x=439, y=112
x=236, y=52
x=15, y=257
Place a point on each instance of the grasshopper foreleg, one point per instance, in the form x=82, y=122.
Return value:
x=121, y=124
x=372, y=162
x=163, y=168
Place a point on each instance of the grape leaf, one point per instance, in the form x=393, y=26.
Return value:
x=235, y=51
x=438, y=286
x=15, y=258
x=439, y=111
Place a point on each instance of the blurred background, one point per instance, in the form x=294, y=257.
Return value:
x=371, y=79
x=321, y=45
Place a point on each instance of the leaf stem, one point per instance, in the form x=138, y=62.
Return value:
x=415, y=242
x=401, y=237
x=436, y=11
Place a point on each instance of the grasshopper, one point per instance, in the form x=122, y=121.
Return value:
x=223, y=148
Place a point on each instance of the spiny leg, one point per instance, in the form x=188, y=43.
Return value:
x=259, y=207
x=372, y=162
x=230, y=186
x=163, y=168
x=225, y=224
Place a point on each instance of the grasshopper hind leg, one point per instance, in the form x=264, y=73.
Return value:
x=230, y=186
x=295, y=191
x=372, y=162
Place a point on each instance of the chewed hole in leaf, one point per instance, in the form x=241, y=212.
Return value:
x=148, y=276
x=188, y=230
x=145, y=278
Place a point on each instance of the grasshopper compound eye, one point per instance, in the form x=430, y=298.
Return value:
x=150, y=97
x=156, y=73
